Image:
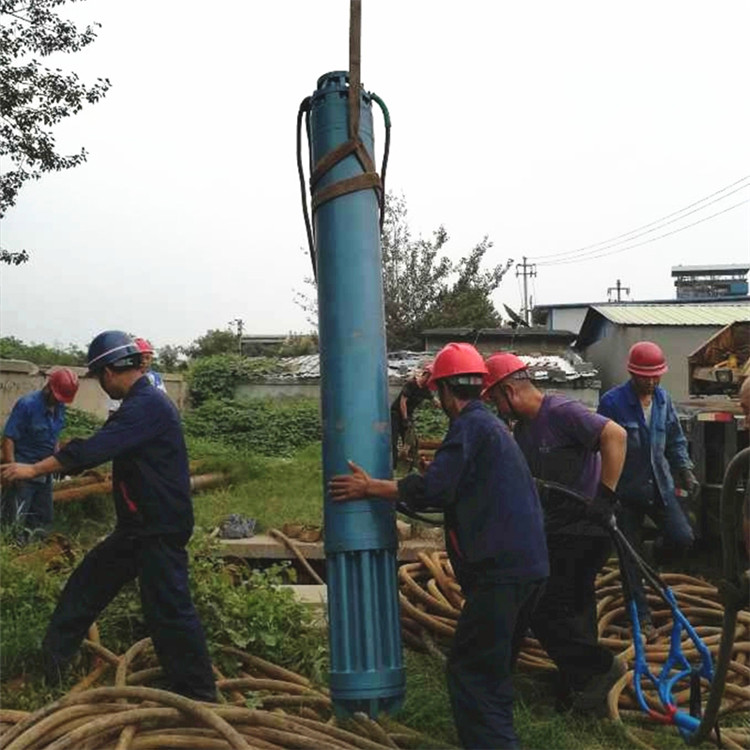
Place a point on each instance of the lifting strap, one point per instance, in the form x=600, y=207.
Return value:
x=369, y=179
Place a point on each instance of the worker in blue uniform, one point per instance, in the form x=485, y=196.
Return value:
x=656, y=453
x=151, y=488
x=31, y=434
x=494, y=533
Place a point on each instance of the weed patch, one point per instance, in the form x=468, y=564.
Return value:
x=217, y=376
x=238, y=607
x=262, y=426
x=79, y=424
x=430, y=422
x=271, y=490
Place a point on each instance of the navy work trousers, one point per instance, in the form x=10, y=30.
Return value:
x=676, y=537
x=27, y=504
x=564, y=620
x=161, y=565
x=481, y=659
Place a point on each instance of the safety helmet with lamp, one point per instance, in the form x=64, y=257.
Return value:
x=64, y=385
x=112, y=348
x=460, y=362
x=500, y=366
x=647, y=360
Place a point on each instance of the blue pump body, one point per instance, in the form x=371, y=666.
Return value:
x=361, y=542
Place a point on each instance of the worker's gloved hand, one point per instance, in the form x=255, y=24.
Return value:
x=601, y=510
x=687, y=481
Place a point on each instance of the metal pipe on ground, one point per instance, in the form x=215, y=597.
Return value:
x=197, y=483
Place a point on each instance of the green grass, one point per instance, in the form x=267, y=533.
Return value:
x=539, y=727
x=271, y=490
x=426, y=705
x=274, y=490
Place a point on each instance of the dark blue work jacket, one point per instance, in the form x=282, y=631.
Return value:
x=150, y=475
x=654, y=451
x=480, y=480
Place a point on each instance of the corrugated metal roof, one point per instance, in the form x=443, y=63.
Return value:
x=675, y=315
x=402, y=364
x=718, y=269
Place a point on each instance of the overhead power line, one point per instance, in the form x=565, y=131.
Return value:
x=653, y=226
x=617, y=250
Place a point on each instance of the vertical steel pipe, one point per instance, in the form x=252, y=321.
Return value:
x=361, y=543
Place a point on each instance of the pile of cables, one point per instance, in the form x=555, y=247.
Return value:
x=431, y=601
x=266, y=707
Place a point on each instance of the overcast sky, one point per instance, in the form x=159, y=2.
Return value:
x=547, y=125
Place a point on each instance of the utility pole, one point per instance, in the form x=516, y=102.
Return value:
x=240, y=327
x=527, y=270
x=619, y=288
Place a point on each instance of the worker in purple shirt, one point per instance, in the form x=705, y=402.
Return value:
x=565, y=443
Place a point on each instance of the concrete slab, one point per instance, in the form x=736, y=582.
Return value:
x=262, y=546
x=313, y=594
x=315, y=598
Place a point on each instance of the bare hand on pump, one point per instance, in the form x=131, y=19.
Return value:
x=349, y=486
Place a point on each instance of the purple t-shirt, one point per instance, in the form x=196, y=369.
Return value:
x=562, y=443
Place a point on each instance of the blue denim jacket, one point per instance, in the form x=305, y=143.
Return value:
x=34, y=428
x=654, y=451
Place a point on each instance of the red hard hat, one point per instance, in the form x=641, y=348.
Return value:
x=144, y=346
x=647, y=360
x=64, y=384
x=499, y=366
x=456, y=359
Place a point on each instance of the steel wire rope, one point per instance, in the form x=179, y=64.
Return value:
x=640, y=244
x=598, y=245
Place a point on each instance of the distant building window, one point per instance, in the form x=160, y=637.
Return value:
x=696, y=282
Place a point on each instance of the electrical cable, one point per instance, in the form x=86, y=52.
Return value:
x=637, y=232
x=304, y=109
x=639, y=244
x=386, y=152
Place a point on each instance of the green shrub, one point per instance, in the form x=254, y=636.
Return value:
x=237, y=606
x=245, y=608
x=79, y=424
x=41, y=354
x=430, y=422
x=217, y=376
x=27, y=597
x=267, y=427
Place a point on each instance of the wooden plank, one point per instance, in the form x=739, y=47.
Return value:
x=262, y=546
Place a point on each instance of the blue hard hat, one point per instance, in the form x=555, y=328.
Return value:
x=113, y=347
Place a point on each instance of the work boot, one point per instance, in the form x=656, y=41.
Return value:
x=592, y=700
x=564, y=694
x=55, y=669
